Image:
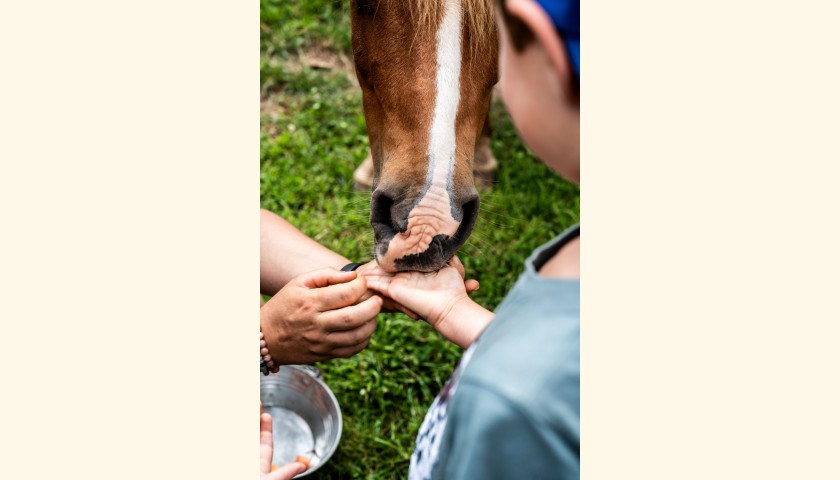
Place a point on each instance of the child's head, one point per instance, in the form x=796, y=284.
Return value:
x=539, y=63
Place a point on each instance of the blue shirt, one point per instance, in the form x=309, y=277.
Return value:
x=512, y=407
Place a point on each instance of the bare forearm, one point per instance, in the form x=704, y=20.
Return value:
x=464, y=322
x=285, y=252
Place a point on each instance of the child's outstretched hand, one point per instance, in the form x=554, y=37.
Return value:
x=391, y=305
x=440, y=298
x=286, y=472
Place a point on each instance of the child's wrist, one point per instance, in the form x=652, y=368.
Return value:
x=463, y=320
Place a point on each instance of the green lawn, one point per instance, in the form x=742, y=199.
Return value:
x=312, y=136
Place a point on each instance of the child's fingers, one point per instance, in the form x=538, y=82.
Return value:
x=373, y=269
x=456, y=263
x=381, y=284
x=286, y=472
x=266, y=443
x=471, y=285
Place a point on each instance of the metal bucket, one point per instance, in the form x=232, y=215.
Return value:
x=306, y=418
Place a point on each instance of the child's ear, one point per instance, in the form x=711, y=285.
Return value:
x=530, y=13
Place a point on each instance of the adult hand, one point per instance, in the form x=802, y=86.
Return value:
x=319, y=315
x=286, y=472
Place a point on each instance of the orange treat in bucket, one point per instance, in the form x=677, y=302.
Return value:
x=303, y=460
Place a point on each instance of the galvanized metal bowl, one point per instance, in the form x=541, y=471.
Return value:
x=306, y=418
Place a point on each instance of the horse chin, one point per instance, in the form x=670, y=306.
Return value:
x=435, y=257
x=411, y=263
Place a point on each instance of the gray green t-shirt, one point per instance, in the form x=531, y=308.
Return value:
x=512, y=408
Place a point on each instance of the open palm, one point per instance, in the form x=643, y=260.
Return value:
x=429, y=295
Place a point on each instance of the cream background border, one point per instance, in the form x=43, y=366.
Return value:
x=129, y=190
x=710, y=158
x=129, y=258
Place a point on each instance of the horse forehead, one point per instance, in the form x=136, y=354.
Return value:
x=399, y=49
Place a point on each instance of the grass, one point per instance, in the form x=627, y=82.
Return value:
x=312, y=137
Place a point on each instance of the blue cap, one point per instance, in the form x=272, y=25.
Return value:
x=565, y=14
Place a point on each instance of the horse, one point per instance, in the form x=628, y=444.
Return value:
x=427, y=70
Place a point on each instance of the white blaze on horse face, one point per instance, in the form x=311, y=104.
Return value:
x=433, y=214
x=447, y=92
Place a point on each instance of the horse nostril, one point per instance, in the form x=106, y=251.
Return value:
x=469, y=210
x=469, y=214
x=380, y=214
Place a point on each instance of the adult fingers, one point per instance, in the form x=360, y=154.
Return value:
x=266, y=443
x=350, y=338
x=348, y=352
x=366, y=295
x=286, y=472
x=471, y=285
x=408, y=312
x=352, y=317
x=340, y=295
x=324, y=277
x=391, y=305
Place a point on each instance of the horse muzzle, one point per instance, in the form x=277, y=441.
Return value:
x=420, y=237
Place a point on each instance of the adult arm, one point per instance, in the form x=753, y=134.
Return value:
x=285, y=253
x=316, y=311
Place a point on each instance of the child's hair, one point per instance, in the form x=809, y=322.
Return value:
x=520, y=34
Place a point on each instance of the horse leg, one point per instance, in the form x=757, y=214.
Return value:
x=484, y=163
x=363, y=176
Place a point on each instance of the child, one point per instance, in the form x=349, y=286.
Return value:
x=512, y=407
